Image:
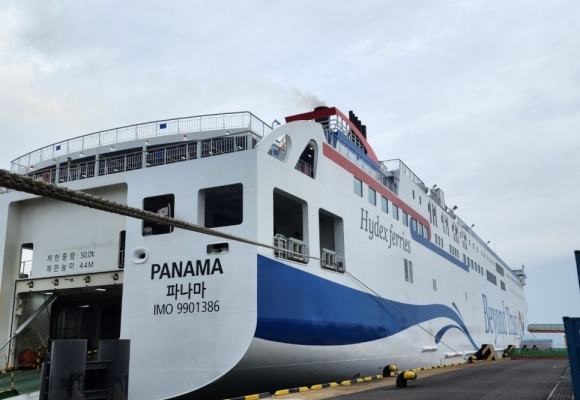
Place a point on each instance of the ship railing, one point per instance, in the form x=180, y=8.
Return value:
x=47, y=176
x=397, y=164
x=245, y=120
x=132, y=161
x=73, y=172
x=287, y=249
x=280, y=243
x=332, y=261
x=482, y=243
x=224, y=144
x=297, y=246
x=127, y=162
x=171, y=154
x=277, y=152
x=382, y=176
x=337, y=124
x=278, y=148
x=305, y=168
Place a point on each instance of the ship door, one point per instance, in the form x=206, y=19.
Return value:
x=92, y=315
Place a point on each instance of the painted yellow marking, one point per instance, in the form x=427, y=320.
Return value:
x=282, y=392
x=409, y=375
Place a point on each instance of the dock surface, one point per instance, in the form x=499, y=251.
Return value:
x=498, y=380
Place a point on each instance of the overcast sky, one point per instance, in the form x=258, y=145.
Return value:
x=481, y=98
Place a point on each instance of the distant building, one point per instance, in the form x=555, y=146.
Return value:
x=544, y=336
x=539, y=343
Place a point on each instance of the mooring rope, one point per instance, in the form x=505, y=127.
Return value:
x=26, y=184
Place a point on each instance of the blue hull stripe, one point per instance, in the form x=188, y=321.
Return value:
x=296, y=307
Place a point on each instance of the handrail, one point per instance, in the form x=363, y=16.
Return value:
x=139, y=159
x=378, y=174
x=483, y=244
x=200, y=123
x=396, y=164
x=305, y=168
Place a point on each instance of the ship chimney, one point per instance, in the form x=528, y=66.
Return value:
x=354, y=119
x=324, y=120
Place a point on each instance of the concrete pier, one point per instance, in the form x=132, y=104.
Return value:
x=497, y=380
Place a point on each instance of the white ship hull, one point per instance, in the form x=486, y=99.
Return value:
x=210, y=321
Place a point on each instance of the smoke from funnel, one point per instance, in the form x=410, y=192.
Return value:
x=308, y=101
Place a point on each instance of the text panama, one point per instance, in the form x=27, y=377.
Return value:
x=181, y=269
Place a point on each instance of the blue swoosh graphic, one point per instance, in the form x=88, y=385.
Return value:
x=443, y=330
x=456, y=309
x=296, y=307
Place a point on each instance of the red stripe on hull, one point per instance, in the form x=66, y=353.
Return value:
x=338, y=158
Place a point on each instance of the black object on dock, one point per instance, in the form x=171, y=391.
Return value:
x=69, y=376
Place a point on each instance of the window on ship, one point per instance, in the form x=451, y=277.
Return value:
x=395, y=212
x=307, y=161
x=162, y=205
x=26, y=252
x=290, y=226
x=357, y=187
x=221, y=205
x=384, y=205
x=331, y=241
x=408, y=267
x=122, y=238
x=372, y=196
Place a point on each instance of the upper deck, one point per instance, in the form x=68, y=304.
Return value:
x=140, y=146
x=174, y=140
x=179, y=126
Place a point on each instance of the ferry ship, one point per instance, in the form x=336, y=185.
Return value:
x=367, y=266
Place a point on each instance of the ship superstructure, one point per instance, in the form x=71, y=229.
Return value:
x=370, y=266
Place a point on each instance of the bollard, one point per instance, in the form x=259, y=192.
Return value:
x=405, y=376
x=67, y=370
x=117, y=352
x=389, y=369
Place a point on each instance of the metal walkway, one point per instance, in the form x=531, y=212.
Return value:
x=563, y=390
